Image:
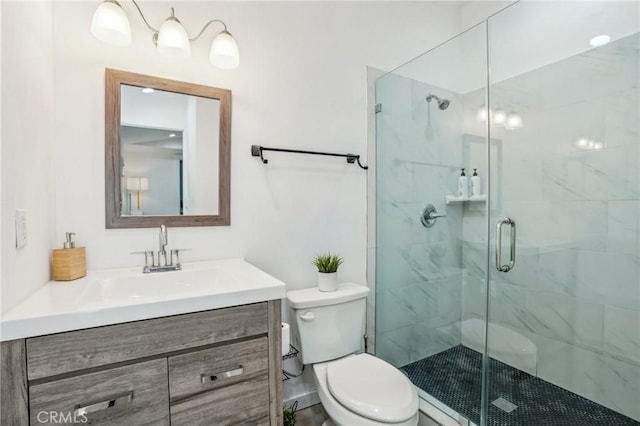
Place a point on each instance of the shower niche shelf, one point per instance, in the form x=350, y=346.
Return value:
x=454, y=199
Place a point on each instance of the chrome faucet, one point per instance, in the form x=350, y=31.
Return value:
x=165, y=263
x=164, y=239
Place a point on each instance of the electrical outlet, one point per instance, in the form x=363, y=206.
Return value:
x=21, y=228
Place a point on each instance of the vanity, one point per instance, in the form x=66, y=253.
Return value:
x=118, y=347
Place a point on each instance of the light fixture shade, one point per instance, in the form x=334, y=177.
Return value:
x=224, y=52
x=514, y=121
x=482, y=114
x=111, y=25
x=137, y=184
x=499, y=117
x=173, y=40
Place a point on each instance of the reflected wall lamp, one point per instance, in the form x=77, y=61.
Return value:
x=136, y=184
x=111, y=25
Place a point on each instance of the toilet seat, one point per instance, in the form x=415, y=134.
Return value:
x=372, y=388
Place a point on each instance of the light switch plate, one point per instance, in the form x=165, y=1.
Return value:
x=21, y=228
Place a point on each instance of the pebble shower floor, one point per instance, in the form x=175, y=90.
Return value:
x=454, y=378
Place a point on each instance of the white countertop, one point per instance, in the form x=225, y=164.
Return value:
x=113, y=296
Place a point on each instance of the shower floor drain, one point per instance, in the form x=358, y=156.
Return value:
x=504, y=405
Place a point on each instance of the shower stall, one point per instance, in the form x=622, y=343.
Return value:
x=518, y=304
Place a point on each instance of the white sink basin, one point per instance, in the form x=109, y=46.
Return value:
x=114, y=296
x=155, y=286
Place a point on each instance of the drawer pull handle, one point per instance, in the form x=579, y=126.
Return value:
x=103, y=405
x=208, y=378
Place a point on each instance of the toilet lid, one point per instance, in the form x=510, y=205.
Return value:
x=372, y=388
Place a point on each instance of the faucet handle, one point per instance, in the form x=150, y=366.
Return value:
x=175, y=256
x=148, y=258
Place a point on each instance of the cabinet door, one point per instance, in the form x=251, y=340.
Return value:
x=136, y=394
x=224, y=385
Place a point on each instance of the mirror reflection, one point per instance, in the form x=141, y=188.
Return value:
x=169, y=153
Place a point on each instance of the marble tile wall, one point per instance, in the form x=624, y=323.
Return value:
x=575, y=290
x=418, y=277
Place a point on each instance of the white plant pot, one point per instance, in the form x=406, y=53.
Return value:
x=327, y=281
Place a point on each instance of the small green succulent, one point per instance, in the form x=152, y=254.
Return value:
x=327, y=263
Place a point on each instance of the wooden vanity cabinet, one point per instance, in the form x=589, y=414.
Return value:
x=217, y=367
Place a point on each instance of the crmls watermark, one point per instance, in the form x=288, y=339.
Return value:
x=56, y=417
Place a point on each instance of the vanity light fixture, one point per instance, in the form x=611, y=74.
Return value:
x=499, y=117
x=513, y=121
x=111, y=25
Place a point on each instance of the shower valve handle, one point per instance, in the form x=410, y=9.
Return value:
x=429, y=216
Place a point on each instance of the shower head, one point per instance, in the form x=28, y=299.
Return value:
x=442, y=103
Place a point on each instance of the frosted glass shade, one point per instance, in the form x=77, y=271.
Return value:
x=111, y=25
x=224, y=52
x=499, y=117
x=482, y=114
x=173, y=40
x=514, y=121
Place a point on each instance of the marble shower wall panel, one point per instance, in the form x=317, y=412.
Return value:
x=418, y=280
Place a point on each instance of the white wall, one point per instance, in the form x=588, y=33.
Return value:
x=299, y=85
x=27, y=150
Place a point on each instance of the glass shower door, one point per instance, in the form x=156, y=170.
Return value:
x=564, y=292
x=422, y=143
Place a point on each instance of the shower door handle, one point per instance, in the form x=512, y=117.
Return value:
x=499, y=266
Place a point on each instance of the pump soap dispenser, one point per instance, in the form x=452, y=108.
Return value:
x=68, y=263
x=463, y=185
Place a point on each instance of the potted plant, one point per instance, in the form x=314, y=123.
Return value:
x=327, y=265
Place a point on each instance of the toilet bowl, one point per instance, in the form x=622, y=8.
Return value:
x=355, y=390
x=362, y=390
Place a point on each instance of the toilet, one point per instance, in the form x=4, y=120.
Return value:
x=355, y=389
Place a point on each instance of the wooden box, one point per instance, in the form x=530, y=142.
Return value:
x=68, y=264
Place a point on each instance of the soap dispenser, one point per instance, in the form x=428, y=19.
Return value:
x=463, y=185
x=70, y=262
x=475, y=184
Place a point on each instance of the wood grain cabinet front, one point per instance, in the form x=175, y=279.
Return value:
x=225, y=385
x=136, y=394
x=216, y=368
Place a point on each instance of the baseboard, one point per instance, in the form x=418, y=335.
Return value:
x=304, y=400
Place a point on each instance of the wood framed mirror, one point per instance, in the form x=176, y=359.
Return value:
x=167, y=152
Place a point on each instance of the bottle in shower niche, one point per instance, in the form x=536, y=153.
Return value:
x=475, y=184
x=463, y=185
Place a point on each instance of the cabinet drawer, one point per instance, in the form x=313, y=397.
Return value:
x=213, y=368
x=136, y=394
x=76, y=350
x=244, y=403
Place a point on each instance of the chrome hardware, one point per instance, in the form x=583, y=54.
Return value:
x=103, y=405
x=429, y=216
x=165, y=261
x=208, y=378
x=307, y=316
x=499, y=266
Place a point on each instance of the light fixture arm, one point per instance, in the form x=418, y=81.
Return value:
x=173, y=16
x=145, y=19
x=205, y=27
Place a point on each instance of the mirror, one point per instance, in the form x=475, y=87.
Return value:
x=167, y=152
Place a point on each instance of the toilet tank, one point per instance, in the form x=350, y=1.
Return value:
x=330, y=324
